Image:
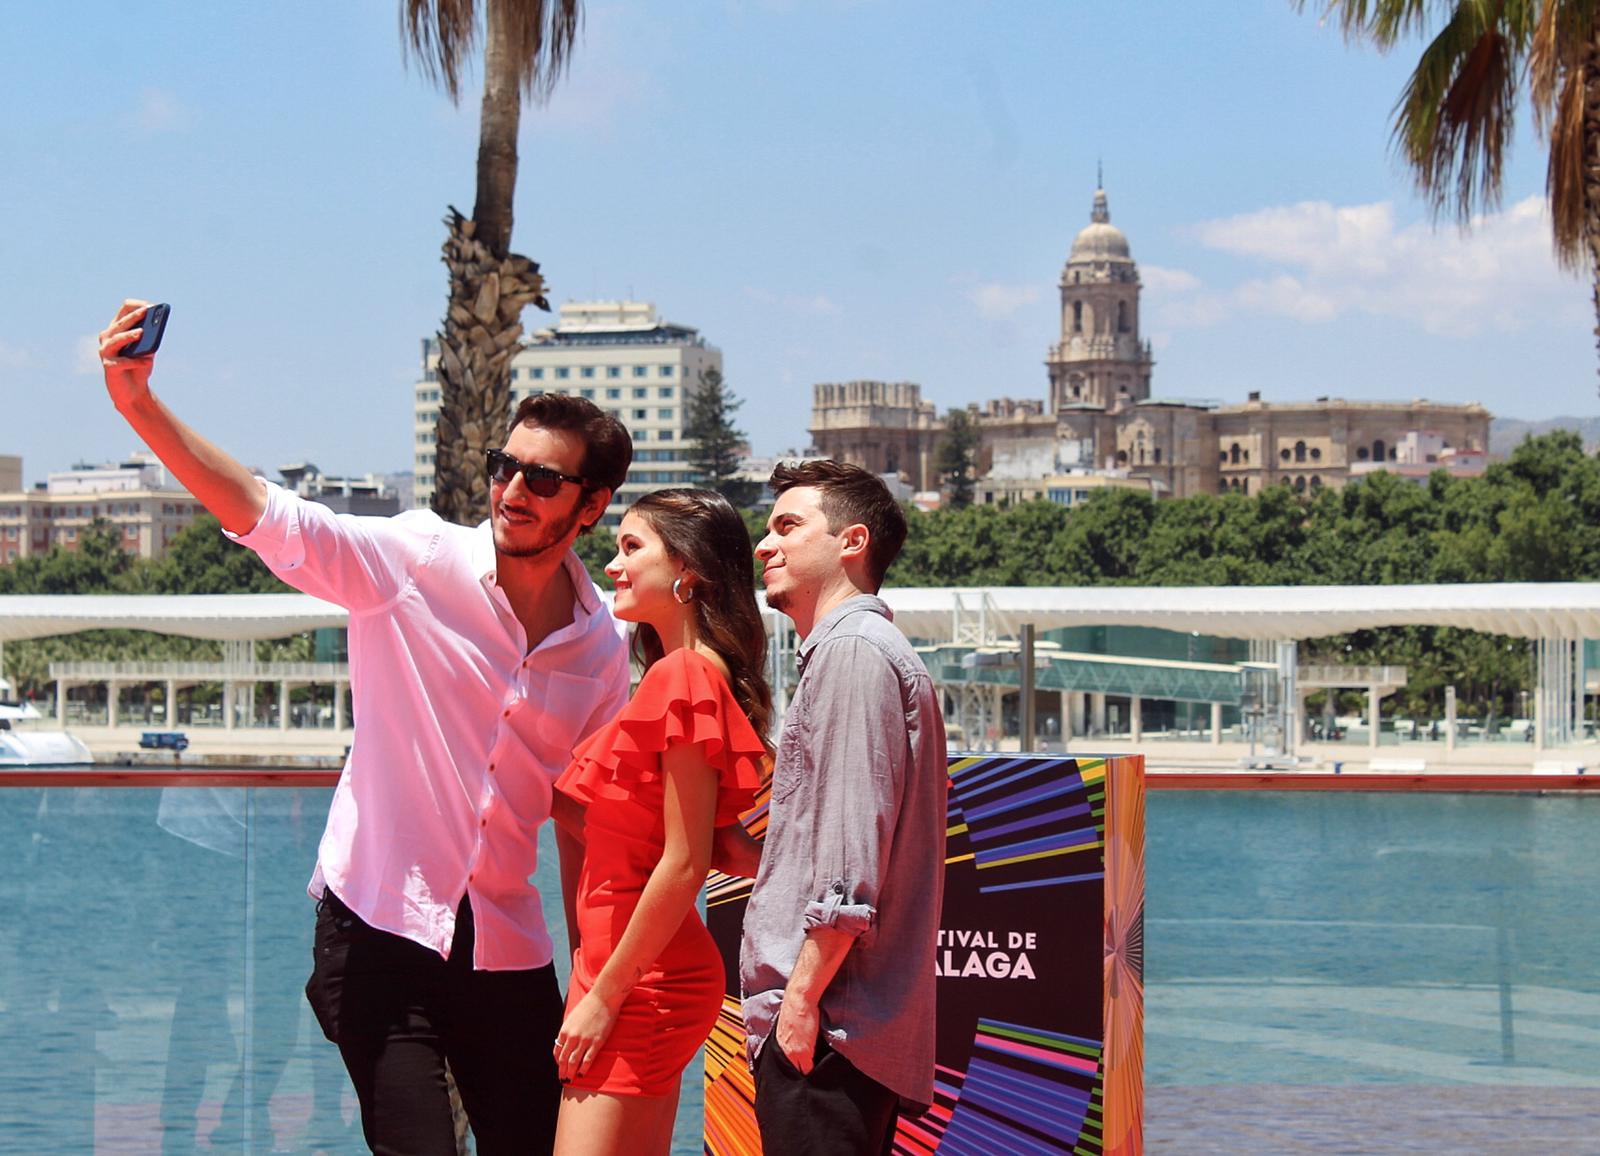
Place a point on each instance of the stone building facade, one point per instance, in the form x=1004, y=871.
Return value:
x=1099, y=415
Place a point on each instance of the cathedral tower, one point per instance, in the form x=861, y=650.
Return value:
x=1100, y=361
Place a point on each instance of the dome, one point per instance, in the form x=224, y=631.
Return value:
x=1100, y=240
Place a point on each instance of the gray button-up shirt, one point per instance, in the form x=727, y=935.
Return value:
x=855, y=841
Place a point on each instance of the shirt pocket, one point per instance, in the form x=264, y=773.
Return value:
x=559, y=708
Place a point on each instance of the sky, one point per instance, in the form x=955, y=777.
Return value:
x=828, y=190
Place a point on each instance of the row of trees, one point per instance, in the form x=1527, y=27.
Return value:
x=1532, y=518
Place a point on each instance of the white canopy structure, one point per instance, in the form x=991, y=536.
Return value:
x=223, y=617
x=1520, y=609
x=1556, y=616
x=1267, y=613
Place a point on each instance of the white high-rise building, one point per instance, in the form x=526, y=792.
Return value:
x=619, y=355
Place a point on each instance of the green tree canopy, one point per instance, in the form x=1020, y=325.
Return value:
x=954, y=459
x=718, y=443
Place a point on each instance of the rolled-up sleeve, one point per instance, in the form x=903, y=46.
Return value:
x=855, y=753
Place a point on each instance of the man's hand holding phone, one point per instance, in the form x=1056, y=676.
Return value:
x=127, y=349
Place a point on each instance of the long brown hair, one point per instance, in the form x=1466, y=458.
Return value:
x=701, y=529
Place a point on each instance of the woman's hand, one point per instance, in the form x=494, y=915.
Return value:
x=583, y=1033
x=127, y=378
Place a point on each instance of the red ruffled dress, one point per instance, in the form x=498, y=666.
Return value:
x=616, y=774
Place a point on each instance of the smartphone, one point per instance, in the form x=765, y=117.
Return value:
x=153, y=325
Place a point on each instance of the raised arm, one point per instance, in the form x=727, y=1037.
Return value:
x=218, y=481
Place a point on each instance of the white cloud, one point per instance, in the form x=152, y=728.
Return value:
x=997, y=302
x=1159, y=279
x=14, y=356
x=812, y=305
x=1325, y=262
x=86, y=355
x=159, y=111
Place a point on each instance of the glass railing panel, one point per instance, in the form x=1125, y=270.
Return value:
x=153, y=970
x=1335, y=967
x=152, y=974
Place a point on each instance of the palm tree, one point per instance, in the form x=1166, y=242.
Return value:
x=526, y=46
x=1454, y=120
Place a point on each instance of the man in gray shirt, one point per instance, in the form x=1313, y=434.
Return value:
x=837, y=963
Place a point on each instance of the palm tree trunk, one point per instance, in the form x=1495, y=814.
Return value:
x=489, y=288
x=497, y=133
x=481, y=332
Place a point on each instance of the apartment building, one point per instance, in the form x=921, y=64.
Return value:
x=619, y=354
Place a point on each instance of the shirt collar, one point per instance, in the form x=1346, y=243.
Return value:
x=485, y=563
x=833, y=619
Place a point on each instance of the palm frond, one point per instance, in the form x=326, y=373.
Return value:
x=1566, y=177
x=443, y=35
x=1454, y=119
x=1563, y=39
x=1382, y=22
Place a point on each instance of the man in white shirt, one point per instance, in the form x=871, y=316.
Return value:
x=480, y=657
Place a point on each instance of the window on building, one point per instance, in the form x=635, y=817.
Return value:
x=667, y=370
x=1316, y=482
x=586, y=371
x=563, y=372
x=1299, y=451
x=1234, y=453
x=1300, y=484
x=640, y=414
x=665, y=391
x=613, y=393
x=1316, y=454
x=640, y=370
x=1122, y=317
x=613, y=371
x=1158, y=455
x=537, y=373
x=1361, y=454
x=1283, y=454
x=641, y=391
x=1077, y=317
x=1378, y=450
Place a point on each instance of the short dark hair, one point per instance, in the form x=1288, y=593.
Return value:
x=607, y=448
x=847, y=495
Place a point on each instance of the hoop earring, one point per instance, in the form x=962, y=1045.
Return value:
x=677, y=594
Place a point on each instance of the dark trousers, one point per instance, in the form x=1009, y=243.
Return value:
x=398, y=1012
x=833, y=1110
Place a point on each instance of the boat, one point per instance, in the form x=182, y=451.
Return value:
x=24, y=746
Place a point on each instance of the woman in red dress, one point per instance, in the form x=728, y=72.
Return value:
x=640, y=803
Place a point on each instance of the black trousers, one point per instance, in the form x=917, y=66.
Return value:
x=833, y=1110
x=398, y=1012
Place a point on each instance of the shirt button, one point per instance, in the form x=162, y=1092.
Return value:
x=483, y=822
x=838, y=888
x=505, y=714
x=491, y=768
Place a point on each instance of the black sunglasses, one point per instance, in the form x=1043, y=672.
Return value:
x=540, y=480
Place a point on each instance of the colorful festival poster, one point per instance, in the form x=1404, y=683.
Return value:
x=1040, y=963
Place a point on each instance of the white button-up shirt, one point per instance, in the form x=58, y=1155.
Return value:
x=461, y=730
